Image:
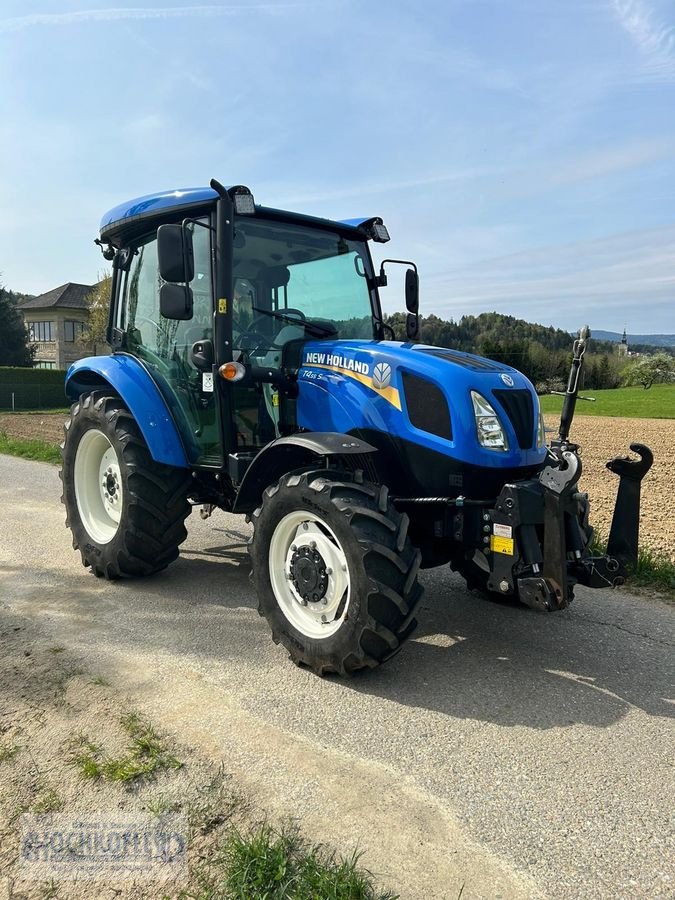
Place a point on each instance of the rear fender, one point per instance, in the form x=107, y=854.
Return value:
x=289, y=453
x=131, y=381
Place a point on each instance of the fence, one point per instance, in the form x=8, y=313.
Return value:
x=31, y=389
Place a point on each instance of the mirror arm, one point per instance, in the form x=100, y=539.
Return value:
x=186, y=222
x=401, y=262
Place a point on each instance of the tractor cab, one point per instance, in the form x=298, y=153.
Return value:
x=204, y=278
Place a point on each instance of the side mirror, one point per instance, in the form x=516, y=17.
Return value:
x=412, y=326
x=201, y=355
x=412, y=291
x=175, y=301
x=175, y=254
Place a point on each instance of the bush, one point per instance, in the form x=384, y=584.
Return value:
x=32, y=388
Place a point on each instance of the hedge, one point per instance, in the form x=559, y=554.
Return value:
x=32, y=388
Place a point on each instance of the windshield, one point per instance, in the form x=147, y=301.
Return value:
x=297, y=281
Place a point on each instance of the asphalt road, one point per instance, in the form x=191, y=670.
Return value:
x=516, y=753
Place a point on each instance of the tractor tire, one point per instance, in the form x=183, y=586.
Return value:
x=335, y=572
x=126, y=512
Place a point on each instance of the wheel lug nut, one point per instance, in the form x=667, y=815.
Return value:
x=329, y=571
x=293, y=548
x=312, y=545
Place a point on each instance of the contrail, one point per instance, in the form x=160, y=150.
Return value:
x=113, y=15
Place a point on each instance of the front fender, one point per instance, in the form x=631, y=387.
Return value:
x=289, y=453
x=132, y=382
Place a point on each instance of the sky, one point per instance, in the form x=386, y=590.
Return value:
x=522, y=152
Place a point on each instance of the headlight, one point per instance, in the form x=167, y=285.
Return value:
x=541, y=431
x=488, y=426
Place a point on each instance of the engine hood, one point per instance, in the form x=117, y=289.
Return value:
x=420, y=394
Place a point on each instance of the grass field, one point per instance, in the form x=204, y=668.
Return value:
x=631, y=403
x=30, y=449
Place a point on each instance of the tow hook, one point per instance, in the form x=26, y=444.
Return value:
x=206, y=510
x=568, y=471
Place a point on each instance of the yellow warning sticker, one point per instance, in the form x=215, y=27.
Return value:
x=222, y=306
x=275, y=399
x=501, y=545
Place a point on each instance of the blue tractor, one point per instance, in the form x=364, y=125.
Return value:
x=252, y=371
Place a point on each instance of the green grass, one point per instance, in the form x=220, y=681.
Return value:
x=280, y=865
x=633, y=403
x=146, y=754
x=61, y=411
x=30, y=449
x=8, y=753
x=47, y=802
x=655, y=570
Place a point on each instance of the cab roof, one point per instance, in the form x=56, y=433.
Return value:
x=126, y=216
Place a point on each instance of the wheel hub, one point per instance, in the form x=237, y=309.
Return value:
x=308, y=573
x=99, y=488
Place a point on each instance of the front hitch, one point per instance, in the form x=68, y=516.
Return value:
x=625, y=530
x=550, y=590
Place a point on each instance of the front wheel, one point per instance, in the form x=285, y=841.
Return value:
x=126, y=512
x=335, y=572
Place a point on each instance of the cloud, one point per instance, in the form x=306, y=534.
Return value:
x=654, y=39
x=19, y=23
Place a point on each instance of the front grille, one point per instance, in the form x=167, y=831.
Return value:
x=427, y=406
x=518, y=406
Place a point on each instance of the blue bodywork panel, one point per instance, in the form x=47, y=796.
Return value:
x=142, y=397
x=152, y=203
x=166, y=201
x=348, y=385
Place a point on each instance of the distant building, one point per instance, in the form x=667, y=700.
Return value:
x=55, y=322
x=623, y=346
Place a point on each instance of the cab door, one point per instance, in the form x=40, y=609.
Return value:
x=164, y=345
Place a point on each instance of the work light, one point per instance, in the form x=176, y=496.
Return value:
x=244, y=204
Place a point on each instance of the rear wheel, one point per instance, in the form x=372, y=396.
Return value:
x=126, y=511
x=335, y=572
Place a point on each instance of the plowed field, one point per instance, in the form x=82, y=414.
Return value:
x=601, y=439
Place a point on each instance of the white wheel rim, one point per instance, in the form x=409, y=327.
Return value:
x=297, y=540
x=98, y=486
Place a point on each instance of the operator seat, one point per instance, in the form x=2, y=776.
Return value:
x=273, y=359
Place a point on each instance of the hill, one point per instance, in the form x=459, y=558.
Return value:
x=647, y=340
x=542, y=353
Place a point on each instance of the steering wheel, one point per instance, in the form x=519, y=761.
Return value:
x=256, y=339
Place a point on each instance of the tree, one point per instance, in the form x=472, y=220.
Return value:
x=14, y=347
x=98, y=303
x=649, y=370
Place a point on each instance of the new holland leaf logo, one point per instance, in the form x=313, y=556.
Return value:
x=381, y=376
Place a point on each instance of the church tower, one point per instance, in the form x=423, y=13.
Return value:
x=623, y=346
